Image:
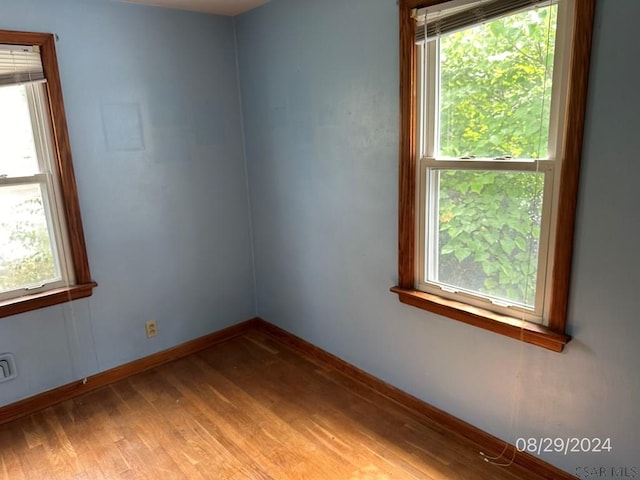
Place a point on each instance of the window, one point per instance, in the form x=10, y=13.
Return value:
x=493, y=95
x=42, y=253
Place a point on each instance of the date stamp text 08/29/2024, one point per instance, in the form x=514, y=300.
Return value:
x=565, y=446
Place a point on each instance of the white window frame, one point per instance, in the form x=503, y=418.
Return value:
x=429, y=163
x=48, y=180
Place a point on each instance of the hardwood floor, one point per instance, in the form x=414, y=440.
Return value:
x=248, y=408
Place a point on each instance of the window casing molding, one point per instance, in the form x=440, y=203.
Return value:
x=553, y=334
x=80, y=283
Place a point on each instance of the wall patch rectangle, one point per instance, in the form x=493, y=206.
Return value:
x=122, y=125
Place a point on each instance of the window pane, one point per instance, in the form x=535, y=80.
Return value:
x=26, y=254
x=495, y=87
x=17, y=146
x=487, y=234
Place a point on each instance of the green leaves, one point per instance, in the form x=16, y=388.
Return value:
x=494, y=100
x=461, y=253
x=507, y=244
x=27, y=257
x=489, y=235
x=495, y=87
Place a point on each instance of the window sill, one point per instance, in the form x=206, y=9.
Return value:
x=28, y=303
x=509, y=326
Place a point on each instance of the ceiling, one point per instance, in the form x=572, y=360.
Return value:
x=218, y=7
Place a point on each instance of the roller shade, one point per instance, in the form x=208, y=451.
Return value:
x=20, y=64
x=476, y=12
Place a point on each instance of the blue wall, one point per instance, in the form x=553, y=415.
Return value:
x=319, y=84
x=152, y=102
x=155, y=124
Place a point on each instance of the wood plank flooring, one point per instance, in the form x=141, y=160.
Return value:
x=248, y=408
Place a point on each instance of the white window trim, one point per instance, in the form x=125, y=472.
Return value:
x=48, y=180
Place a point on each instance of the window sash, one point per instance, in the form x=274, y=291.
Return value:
x=60, y=280
x=427, y=229
x=51, y=194
x=427, y=137
x=428, y=72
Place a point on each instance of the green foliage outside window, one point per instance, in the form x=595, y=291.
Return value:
x=489, y=232
x=494, y=102
x=29, y=236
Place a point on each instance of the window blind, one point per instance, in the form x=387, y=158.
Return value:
x=20, y=64
x=476, y=13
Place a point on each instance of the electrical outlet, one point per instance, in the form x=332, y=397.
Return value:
x=152, y=328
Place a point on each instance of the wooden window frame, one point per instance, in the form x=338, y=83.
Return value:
x=553, y=336
x=83, y=285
